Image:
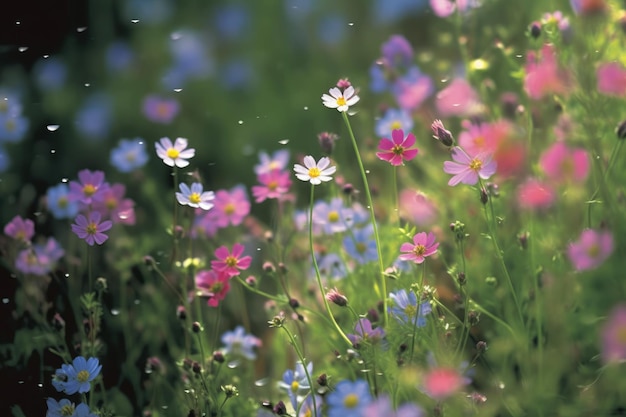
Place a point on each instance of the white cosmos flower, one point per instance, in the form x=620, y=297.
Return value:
x=340, y=100
x=314, y=172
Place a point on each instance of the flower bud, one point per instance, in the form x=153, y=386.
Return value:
x=181, y=313
x=441, y=134
x=218, y=356
x=293, y=303
x=620, y=131
x=230, y=390
x=280, y=408
x=535, y=29
x=327, y=142
x=334, y=296
x=196, y=327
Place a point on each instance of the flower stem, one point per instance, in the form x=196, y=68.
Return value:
x=302, y=360
x=317, y=271
x=382, y=290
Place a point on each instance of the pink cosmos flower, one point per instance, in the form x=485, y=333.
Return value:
x=611, y=78
x=458, y=99
x=89, y=187
x=416, y=208
x=563, y=164
x=274, y=184
x=114, y=206
x=397, y=149
x=205, y=223
x=160, y=110
x=175, y=154
x=412, y=89
x=212, y=284
x=277, y=161
x=440, y=383
x=543, y=76
x=466, y=169
x=614, y=336
x=231, y=206
x=231, y=262
x=39, y=259
x=340, y=100
x=91, y=229
x=423, y=245
x=533, y=194
x=20, y=229
x=591, y=250
x=444, y=8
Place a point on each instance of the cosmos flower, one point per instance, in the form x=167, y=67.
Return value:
x=340, y=100
x=315, y=172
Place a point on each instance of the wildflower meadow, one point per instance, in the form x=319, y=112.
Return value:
x=308, y=208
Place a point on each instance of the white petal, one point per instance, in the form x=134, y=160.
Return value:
x=309, y=162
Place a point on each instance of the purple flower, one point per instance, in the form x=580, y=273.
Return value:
x=39, y=259
x=382, y=407
x=20, y=229
x=91, y=229
x=591, y=249
x=466, y=169
x=276, y=162
x=89, y=187
x=364, y=331
x=160, y=110
x=614, y=336
x=238, y=342
x=397, y=51
x=360, y=245
x=412, y=89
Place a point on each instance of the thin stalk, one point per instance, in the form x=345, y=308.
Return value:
x=303, y=361
x=382, y=291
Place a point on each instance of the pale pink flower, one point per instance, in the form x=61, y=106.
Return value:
x=444, y=8
x=563, y=164
x=614, y=336
x=231, y=262
x=458, y=99
x=441, y=383
x=423, y=245
x=315, y=172
x=273, y=184
x=231, y=206
x=466, y=169
x=20, y=229
x=416, y=208
x=340, y=100
x=397, y=149
x=175, y=154
x=533, y=194
x=611, y=78
x=544, y=76
x=591, y=250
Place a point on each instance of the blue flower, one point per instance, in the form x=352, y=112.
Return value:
x=50, y=74
x=129, y=155
x=4, y=160
x=360, y=245
x=65, y=408
x=331, y=266
x=349, y=399
x=93, y=120
x=13, y=127
x=405, y=308
x=232, y=21
x=119, y=56
x=295, y=382
x=59, y=203
x=195, y=196
x=239, y=343
x=333, y=216
x=393, y=119
x=79, y=375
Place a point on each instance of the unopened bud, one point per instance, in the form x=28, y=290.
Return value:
x=535, y=29
x=322, y=380
x=620, y=131
x=280, y=409
x=334, y=296
x=218, y=356
x=441, y=133
x=230, y=390
x=196, y=327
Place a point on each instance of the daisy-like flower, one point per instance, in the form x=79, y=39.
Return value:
x=440, y=383
x=20, y=229
x=66, y=408
x=340, y=100
x=423, y=245
x=591, y=250
x=91, y=229
x=466, y=169
x=364, y=331
x=349, y=399
x=239, y=343
x=295, y=382
x=231, y=262
x=78, y=375
x=213, y=285
x=397, y=149
x=405, y=308
x=195, y=196
x=175, y=154
x=315, y=172
x=89, y=187
x=273, y=184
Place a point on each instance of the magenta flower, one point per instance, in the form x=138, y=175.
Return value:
x=20, y=229
x=611, y=78
x=591, y=250
x=458, y=99
x=114, y=206
x=39, y=259
x=176, y=153
x=363, y=330
x=91, y=229
x=213, y=285
x=160, y=110
x=397, y=149
x=277, y=161
x=231, y=206
x=274, y=184
x=614, y=336
x=466, y=169
x=444, y=8
x=89, y=187
x=412, y=89
x=423, y=245
x=563, y=164
x=440, y=383
x=533, y=194
x=544, y=76
x=416, y=208
x=231, y=262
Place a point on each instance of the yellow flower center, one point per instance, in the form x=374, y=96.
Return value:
x=172, y=153
x=67, y=410
x=82, y=376
x=10, y=125
x=396, y=124
x=111, y=203
x=621, y=335
x=308, y=413
x=341, y=101
x=419, y=249
x=351, y=401
x=194, y=198
x=231, y=261
x=272, y=185
x=229, y=208
x=294, y=386
x=31, y=259
x=397, y=150
x=361, y=247
x=130, y=157
x=476, y=164
x=479, y=141
x=410, y=310
x=216, y=287
x=92, y=228
x=314, y=172
x=593, y=251
x=333, y=216
x=162, y=109
x=89, y=190
x=62, y=202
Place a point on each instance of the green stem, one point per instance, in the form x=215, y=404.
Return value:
x=382, y=291
x=317, y=271
x=395, y=194
x=303, y=361
x=418, y=309
x=616, y=149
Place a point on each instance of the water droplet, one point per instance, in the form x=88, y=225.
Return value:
x=367, y=171
x=261, y=382
x=37, y=213
x=379, y=62
x=46, y=56
x=258, y=249
x=501, y=385
x=64, y=180
x=23, y=48
x=351, y=24
x=40, y=385
x=233, y=364
x=164, y=407
x=175, y=36
x=240, y=122
x=134, y=20
x=81, y=29
x=115, y=312
x=148, y=370
x=17, y=22
x=284, y=141
x=519, y=56
x=67, y=275
x=53, y=151
x=53, y=128
x=137, y=302
x=306, y=107
x=178, y=90
x=5, y=301
x=87, y=85
x=20, y=382
x=141, y=142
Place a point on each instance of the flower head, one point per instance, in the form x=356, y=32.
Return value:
x=458, y=99
x=175, y=154
x=277, y=161
x=20, y=229
x=273, y=184
x=466, y=169
x=295, y=382
x=89, y=187
x=195, y=196
x=340, y=100
x=611, y=78
x=129, y=155
x=314, y=172
x=231, y=262
x=92, y=230
x=544, y=76
x=423, y=245
x=39, y=259
x=78, y=375
x=393, y=119
x=66, y=408
x=534, y=194
x=405, y=308
x=349, y=399
x=614, y=336
x=332, y=217
x=59, y=202
x=239, y=343
x=591, y=250
x=364, y=331
x=440, y=383
x=212, y=284
x=382, y=407
x=397, y=149
x=441, y=133
x=160, y=110
x=563, y=164
x=360, y=245
x=231, y=206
